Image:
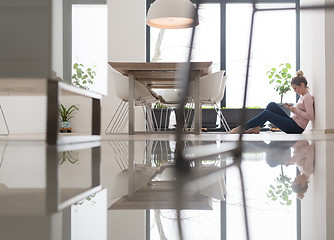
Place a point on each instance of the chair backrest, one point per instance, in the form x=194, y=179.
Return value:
x=170, y=95
x=209, y=86
x=121, y=87
x=221, y=92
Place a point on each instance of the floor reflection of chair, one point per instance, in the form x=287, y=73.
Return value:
x=4, y=119
x=142, y=173
x=154, y=182
x=3, y=154
x=143, y=98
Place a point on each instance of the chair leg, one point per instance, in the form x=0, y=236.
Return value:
x=149, y=118
x=118, y=107
x=118, y=120
x=160, y=120
x=154, y=120
x=221, y=118
x=166, y=119
x=122, y=119
x=188, y=117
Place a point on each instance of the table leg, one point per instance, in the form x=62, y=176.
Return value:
x=198, y=115
x=52, y=112
x=131, y=104
x=52, y=179
x=96, y=116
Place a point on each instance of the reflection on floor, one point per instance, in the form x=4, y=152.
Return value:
x=49, y=195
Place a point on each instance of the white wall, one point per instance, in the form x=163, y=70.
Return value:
x=329, y=56
x=313, y=205
x=24, y=114
x=122, y=224
x=317, y=35
x=57, y=37
x=317, y=210
x=126, y=42
x=312, y=46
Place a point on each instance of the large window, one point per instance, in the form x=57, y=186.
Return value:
x=85, y=40
x=274, y=42
x=89, y=42
x=224, y=41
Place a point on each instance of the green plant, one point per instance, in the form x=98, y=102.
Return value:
x=281, y=77
x=83, y=76
x=282, y=191
x=66, y=114
x=159, y=106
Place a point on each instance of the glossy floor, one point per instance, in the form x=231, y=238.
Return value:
x=131, y=192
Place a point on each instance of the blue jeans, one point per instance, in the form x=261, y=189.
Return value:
x=275, y=114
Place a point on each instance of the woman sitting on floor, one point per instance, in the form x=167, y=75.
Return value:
x=303, y=111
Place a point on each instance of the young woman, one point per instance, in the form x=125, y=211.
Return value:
x=303, y=158
x=303, y=111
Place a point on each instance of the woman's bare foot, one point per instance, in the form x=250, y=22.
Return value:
x=234, y=130
x=255, y=130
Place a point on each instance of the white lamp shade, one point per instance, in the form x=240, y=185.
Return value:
x=171, y=14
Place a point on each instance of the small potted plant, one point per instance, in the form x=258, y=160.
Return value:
x=83, y=75
x=65, y=115
x=162, y=116
x=281, y=77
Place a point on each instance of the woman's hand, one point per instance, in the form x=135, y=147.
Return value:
x=290, y=107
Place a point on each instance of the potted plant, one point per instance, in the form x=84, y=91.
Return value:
x=281, y=77
x=83, y=75
x=65, y=115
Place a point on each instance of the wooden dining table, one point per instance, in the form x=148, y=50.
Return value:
x=165, y=75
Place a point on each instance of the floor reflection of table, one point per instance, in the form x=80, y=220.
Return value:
x=160, y=75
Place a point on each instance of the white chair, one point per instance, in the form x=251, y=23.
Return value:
x=143, y=97
x=212, y=89
x=171, y=99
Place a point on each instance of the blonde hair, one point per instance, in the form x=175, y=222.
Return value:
x=300, y=78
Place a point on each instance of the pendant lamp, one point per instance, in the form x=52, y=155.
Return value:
x=171, y=14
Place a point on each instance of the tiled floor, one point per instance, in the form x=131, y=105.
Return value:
x=137, y=173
